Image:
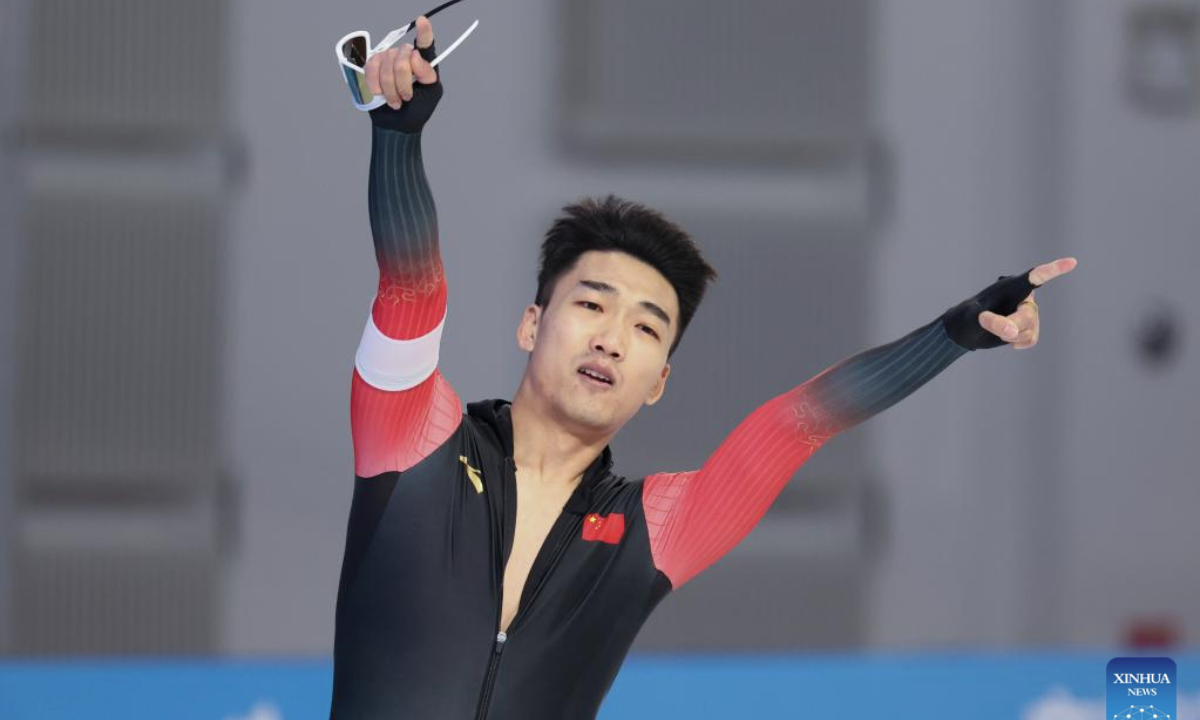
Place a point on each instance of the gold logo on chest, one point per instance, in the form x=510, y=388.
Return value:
x=472, y=474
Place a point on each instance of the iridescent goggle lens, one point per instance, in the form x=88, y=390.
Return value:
x=354, y=51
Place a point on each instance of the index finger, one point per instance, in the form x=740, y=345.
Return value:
x=372, y=71
x=1043, y=274
x=424, y=32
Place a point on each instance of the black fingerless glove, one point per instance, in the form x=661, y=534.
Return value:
x=1001, y=297
x=412, y=115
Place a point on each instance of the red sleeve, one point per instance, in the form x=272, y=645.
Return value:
x=697, y=516
x=396, y=430
x=401, y=408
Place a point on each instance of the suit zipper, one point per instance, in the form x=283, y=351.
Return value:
x=485, y=693
x=501, y=636
x=490, y=679
x=537, y=589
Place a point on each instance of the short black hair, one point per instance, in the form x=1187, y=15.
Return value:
x=615, y=224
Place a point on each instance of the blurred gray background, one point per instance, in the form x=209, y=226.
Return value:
x=186, y=269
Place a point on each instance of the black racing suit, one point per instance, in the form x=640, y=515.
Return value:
x=435, y=496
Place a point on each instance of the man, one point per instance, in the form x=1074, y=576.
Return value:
x=495, y=566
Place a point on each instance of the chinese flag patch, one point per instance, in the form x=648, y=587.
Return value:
x=605, y=528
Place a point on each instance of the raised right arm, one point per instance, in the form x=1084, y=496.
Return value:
x=401, y=408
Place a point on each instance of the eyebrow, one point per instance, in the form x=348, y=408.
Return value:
x=607, y=289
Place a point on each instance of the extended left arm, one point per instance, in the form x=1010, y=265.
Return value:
x=697, y=516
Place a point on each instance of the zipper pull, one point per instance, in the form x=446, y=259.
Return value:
x=500, y=638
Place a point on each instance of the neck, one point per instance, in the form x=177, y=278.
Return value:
x=547, y=449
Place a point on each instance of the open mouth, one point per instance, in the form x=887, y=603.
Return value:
x=595, y=376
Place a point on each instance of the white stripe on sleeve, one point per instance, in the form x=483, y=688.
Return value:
x=391, y=364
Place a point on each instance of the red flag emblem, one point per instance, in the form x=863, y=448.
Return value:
x=605, y=528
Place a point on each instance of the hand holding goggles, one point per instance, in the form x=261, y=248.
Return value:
x=354, y=50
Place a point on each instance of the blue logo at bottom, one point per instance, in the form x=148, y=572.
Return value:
x=1140, y=688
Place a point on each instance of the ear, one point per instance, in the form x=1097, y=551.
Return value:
x=660, y=386
x=527, y=329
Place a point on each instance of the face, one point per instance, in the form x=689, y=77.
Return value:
x=617, y=316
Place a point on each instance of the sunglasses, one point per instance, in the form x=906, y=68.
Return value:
x=355, y=49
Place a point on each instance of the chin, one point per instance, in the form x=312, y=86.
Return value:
x=590, y=413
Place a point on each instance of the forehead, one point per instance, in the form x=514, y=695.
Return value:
x=634, y=279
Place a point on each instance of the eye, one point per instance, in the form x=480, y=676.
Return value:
x=586, y=303
x=649, y=330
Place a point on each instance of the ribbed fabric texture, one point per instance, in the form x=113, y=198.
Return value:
x=412, y=286
x=394, y=430
x=697, y=516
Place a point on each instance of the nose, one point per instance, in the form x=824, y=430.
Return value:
x=606, y=340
